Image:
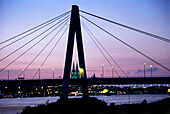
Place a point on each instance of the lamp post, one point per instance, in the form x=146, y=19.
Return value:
x=23, y=73
x=53, y=72
x=151, y=70
x=39, y=72
x=112, y=71
x=103, y=70
x=8, y=73
x=144, y=70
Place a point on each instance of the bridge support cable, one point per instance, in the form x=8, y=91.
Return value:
x=164, y=67
x=31, y=32
x=43, y=49
x=98, y=47
x=50, y=52
x=35, y=38
x=45, y=24
x=33, y=45
x=131, y=28
x=87, y=30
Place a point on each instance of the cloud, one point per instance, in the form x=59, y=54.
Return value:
x=154, y=69
x=128, y=73
x=139, y=71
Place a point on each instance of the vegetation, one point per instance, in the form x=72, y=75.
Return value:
x=95, y=106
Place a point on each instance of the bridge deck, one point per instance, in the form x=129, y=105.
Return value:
x=89, y=81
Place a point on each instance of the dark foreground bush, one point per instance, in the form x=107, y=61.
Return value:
x=71, y=106
x=95, y=106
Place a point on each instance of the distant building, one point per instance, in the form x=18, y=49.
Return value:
x=75, y=72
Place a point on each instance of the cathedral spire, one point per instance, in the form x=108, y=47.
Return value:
x=77, y=68
x=73, y=67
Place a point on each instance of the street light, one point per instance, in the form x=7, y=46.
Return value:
x=151, y=70
x=144, y=70
x=53, y=72
x=23, y=73
x=8, y=73
x=103, y=70
x=39, y=72
x=112, y=71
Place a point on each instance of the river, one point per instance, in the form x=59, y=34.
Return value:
x=14, y=105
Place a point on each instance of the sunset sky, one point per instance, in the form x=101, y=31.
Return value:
x=17, y=16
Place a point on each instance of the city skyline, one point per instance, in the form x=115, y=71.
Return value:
x=151, y=16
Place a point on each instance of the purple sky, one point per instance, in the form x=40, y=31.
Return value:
x=148, y=15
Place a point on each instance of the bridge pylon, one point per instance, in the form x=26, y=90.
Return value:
x=74, y=28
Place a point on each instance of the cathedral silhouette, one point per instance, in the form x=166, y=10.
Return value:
x=75, y=72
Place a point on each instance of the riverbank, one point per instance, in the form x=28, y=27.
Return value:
x=95, y=106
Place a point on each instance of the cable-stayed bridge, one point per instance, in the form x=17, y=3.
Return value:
x=61, y=24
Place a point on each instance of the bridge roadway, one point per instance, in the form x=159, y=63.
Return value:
x=88, y=81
